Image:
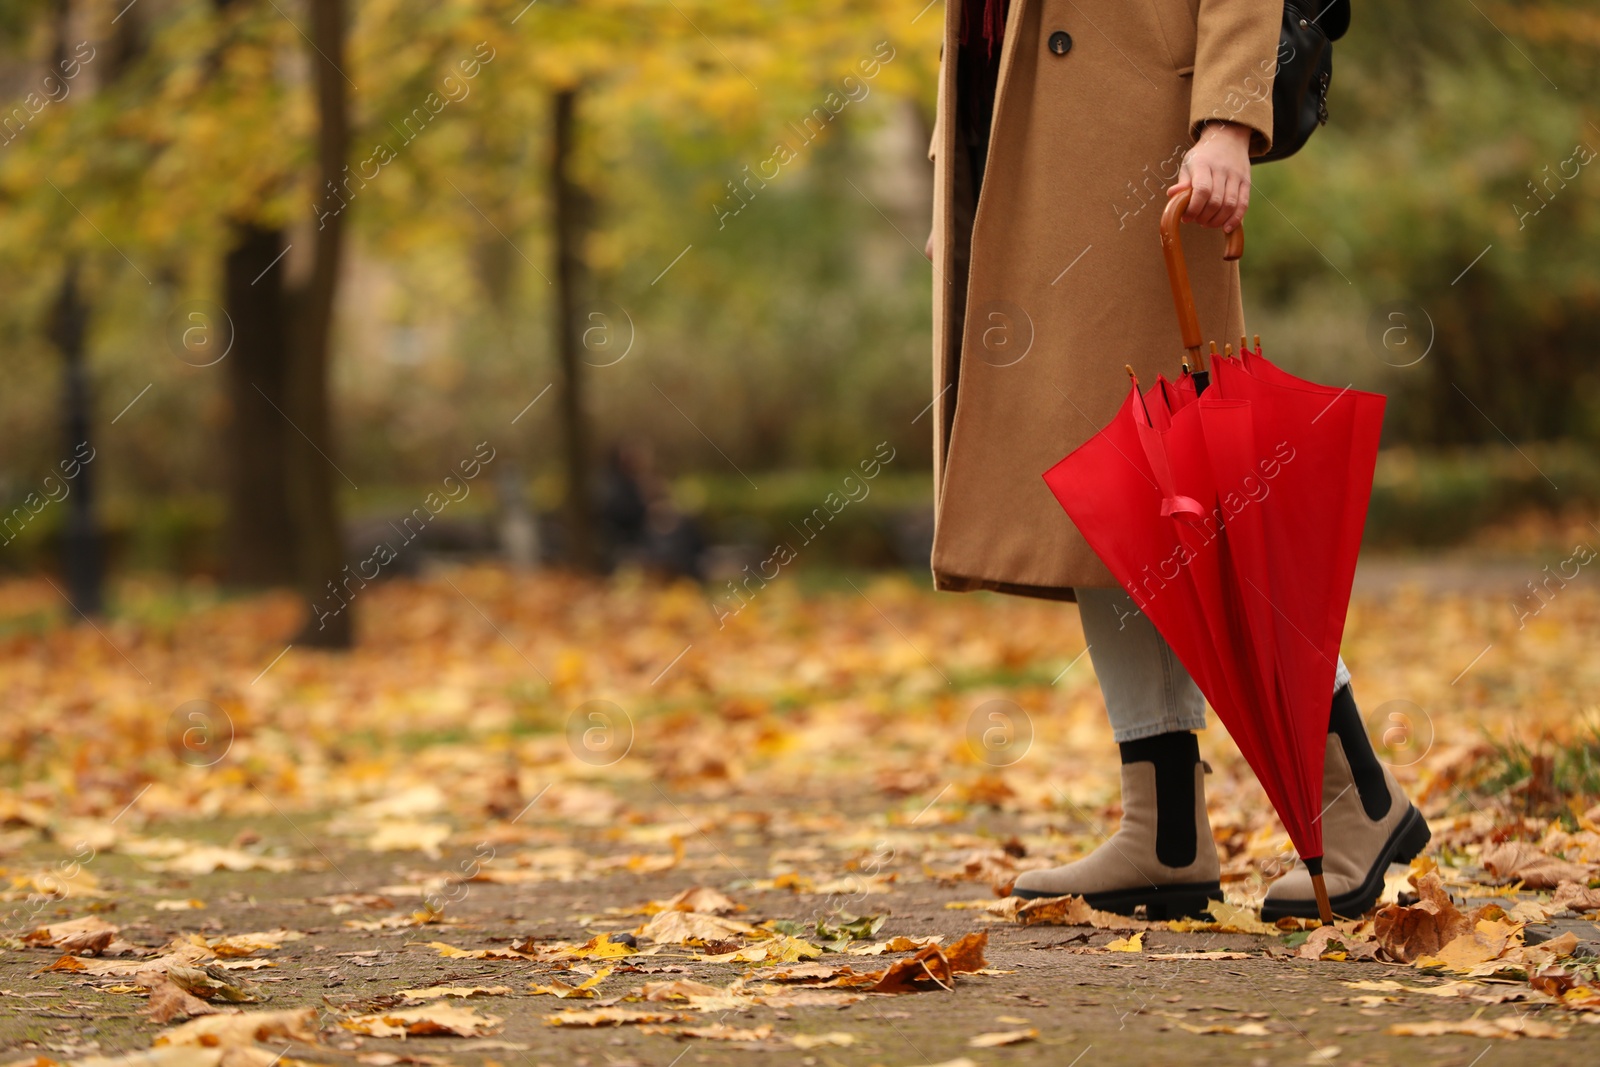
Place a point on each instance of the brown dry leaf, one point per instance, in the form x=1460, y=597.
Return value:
x=249, y=944
x=778, y=950
x=1484, y=942
x=1242, y=1029
x=677, y=989
x=1073, y=911
x=836, y=1038
x=966, y=955
x=451, y=952
x=894, y=944
x=1507, y=1028
x=816, y=972
x=1003, y=907
x=611, y=1017
x=1344, y=942
x=191, y=904
x=440, y=1018
x=809, y=998
x=90, y=934
x=1520, y=861
x=1531, y=912
x=456, y=991
x=243, y=1029
x=722, y=1032
x=697, y=898
x=1575, y=897
x=1424, y=928
x=401, y=836
x=1212, y=955
x=583, y=990
x=933, y=967
x=208, y=859
x=1001, y=1037
x=169, y=1001
x=690, y=927
x=207, y=982
x=1530, y=958
x=174, y=954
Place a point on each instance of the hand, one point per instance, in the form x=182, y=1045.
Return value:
x=1217, y=168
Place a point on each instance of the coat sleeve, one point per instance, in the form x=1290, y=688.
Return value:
x=1236, y=56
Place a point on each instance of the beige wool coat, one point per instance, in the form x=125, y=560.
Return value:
x=1053, y=279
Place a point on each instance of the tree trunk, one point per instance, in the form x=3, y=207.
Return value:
x=260, y=534
x=566, y=209
x=314, y=480
x=82, y=547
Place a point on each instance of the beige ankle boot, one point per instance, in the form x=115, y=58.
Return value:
x=1357, y=849
x=1124, y=872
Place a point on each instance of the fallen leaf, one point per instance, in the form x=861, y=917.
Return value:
x=1520, y=861
x=722, y=1032
x=698, y=898
x=456, y=991
x=837, y=1038
x=1497, y=1028
x=244, y=1028
x=1242, y=1029
x=1073, y=911
x=1424, y=928
x=1485, y=941
x=1575, y=897
x=689, y=927
x=90, y=934
x=169, y=1001
x=1135, y=943
x=1002, y=1037
x=611, y=1017
x=440, y=1018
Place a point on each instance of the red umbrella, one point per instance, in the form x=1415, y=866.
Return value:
x=1231, y=511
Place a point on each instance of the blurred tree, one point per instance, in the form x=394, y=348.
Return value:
x=313, y=498
x=1452, y=176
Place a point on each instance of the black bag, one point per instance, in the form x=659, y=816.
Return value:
x=1305, y=69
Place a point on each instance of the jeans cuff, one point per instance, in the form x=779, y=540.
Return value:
x=1168, y=726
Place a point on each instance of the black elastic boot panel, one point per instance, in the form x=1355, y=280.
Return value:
x=1174, y=755
x=1344, y=721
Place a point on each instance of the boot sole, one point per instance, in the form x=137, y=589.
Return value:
x=1404, y=845
x=1161, y=903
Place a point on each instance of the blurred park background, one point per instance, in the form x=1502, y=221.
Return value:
x=286, y=265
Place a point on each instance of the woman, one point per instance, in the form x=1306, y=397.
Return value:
x=1060, y=125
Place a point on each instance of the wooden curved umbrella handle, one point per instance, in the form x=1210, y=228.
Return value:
x=1178, y=271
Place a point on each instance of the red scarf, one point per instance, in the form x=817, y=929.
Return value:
x=993, y=30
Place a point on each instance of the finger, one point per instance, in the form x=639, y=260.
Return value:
x=1225, y=203
x=1204, y=182
x=1226, y=200
x=1241, y=206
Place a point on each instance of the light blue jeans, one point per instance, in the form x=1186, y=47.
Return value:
x=1147, y=690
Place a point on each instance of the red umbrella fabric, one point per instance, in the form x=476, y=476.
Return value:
x=1232, y=515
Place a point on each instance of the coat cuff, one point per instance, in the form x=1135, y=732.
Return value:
x=1236, y=58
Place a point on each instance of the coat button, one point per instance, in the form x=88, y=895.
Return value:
x=1061, y=42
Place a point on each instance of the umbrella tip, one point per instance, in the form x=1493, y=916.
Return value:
x=1324, y=906
x=1227, y=350
x=1242, y=345
x=1258, y=342
x=1132, y=376
x=1213, y=348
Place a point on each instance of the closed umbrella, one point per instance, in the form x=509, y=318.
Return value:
x=1230, y=504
